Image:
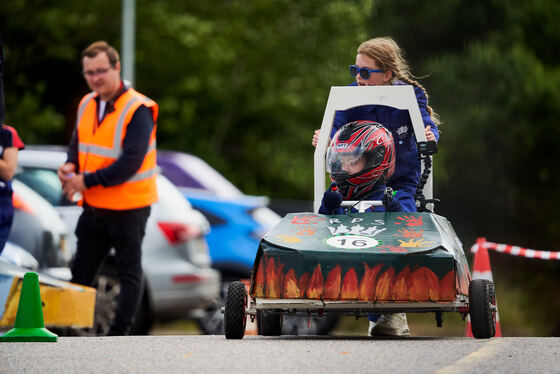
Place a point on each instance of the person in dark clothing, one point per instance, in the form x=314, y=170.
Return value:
x=112, y=164
x=10, y=144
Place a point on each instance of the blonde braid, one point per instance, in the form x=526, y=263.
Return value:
x=431, y=112
x=389, y=56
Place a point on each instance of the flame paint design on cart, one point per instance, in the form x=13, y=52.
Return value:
x=396, y=257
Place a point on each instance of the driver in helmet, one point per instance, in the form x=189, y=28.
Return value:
x=360, y=159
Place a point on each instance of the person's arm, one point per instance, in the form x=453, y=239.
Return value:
x=10, y=141
x=68, y=169
x=8, y=163
x=426, y=118
x=72, y=151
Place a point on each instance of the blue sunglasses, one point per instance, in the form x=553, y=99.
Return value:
x=364, y=72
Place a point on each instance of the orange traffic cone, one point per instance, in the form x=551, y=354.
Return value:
x=481, y=270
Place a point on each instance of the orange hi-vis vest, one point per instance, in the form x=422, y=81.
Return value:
x=100, y=146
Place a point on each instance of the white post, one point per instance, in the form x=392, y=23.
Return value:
x=128, y=39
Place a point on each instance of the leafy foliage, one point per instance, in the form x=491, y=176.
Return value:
x=243, y=85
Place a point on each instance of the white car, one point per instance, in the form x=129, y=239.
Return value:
x=175, y=256
x=38, y=228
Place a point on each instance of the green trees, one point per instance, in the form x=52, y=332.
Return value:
x=243, y=85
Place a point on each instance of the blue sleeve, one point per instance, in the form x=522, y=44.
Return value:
x=423, y=105
x=135, y=147
x=340, y=119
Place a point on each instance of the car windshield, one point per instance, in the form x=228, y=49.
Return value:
x=188, y=171
x=45, y=182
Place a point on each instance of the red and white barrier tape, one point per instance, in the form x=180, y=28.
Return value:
x=517, y=251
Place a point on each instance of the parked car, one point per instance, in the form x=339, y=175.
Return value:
x=238, y=223
x=175, y=256
x=38, y=228
x=16, y=255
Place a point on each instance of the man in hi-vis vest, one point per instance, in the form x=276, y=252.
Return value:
x=112, y=164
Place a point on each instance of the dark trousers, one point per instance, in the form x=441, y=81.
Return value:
x=99, y=230
x=6, y=218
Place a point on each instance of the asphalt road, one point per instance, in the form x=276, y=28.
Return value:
x=286, y=354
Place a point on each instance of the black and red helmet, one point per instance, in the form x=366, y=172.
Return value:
x=360, y=158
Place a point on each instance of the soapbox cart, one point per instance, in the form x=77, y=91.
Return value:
x=360, y=263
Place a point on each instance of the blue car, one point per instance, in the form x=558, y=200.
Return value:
x=237, y=227
x=237, y=221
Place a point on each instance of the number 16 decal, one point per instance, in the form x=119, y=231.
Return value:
x=352, y=242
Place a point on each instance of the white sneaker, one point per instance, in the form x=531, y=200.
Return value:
x=371, y=324
x=390, y=325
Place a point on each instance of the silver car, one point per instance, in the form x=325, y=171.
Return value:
x=38, y=228
x=175, y=256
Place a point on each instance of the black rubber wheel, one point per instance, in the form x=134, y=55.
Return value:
x=269, y=323
x=482, y=304
x=234, y=313
x=211, y=321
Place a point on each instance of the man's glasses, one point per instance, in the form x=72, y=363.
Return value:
x=93, y=73
x=364, y=72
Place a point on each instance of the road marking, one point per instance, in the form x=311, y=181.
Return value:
x=484, y=353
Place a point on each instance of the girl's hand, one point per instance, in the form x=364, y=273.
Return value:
x=315, y=138
x=429, y=134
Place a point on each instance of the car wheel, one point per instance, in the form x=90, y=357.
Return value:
x=211, y=320
x=107, y=293
x=269, y=323
x=234, y=313
x=301, y=325
x=144, y=320
x=106, y=301
x=482, y=304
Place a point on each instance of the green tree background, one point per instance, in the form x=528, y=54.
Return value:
x=244, y=84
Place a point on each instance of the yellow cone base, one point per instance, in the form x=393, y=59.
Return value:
x=22, y=334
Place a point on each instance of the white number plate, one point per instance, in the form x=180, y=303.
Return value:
x=352, y=242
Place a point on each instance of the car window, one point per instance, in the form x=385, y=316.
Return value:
x=185, y=170
x=45, y=182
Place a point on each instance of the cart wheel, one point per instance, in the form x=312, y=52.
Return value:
x=482, y=303
x=269, y=323
x=234, y=313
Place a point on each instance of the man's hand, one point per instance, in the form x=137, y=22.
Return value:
x=65, y=171
x=74, y=184
x=71, y=182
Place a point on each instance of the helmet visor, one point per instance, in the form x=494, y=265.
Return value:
x=343, y=164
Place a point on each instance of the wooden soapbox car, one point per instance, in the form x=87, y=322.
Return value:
x=356, y=264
